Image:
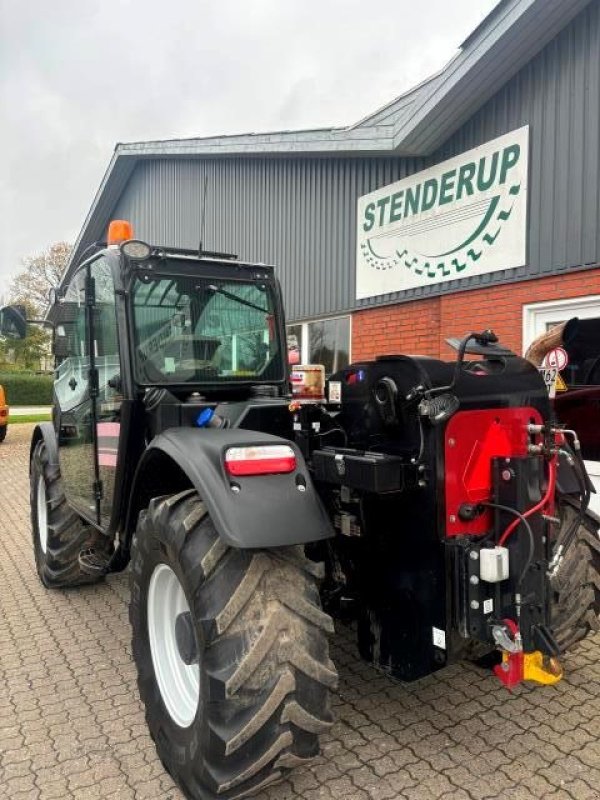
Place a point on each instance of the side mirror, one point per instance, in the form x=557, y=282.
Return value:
x=13, y=323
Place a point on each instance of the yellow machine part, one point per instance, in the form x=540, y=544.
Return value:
x=541, y=669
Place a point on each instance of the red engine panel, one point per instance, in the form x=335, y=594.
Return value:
x=473, y=439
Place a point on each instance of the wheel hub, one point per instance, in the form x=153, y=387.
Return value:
x=186, y=638
x=173, y=646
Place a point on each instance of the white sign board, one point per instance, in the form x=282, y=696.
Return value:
x=550, y=376
x=466, y=216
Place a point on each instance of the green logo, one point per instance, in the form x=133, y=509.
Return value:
x=479, y=221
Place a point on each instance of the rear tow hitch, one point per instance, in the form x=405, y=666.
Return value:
x=518, y=666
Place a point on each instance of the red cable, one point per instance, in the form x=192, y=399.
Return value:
x=545, y=499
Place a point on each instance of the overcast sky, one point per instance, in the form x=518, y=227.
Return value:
x=78, y=76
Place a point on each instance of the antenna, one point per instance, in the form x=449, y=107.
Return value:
x=203, y=216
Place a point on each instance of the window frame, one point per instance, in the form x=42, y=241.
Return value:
x=305, y=340
x=537, y=314
x=177, y=269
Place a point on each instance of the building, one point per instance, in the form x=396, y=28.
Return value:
x=480, y=197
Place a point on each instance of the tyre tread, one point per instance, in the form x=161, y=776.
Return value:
x=268, y=672
x=576, y=585
x=68, y=534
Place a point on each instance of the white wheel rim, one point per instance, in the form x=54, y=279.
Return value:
x=42, y=513
x=178, y=682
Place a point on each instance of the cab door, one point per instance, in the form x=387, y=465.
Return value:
x=88, y=393
x=109, y=397
x=74, y=410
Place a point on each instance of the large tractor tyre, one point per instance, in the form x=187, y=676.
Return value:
x=231, y=650
x=3, y=430
x=576, y=585
x=59, y=534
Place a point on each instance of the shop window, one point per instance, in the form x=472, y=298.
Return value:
x=322, y=341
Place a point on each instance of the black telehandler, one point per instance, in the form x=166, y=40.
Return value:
x=439, y=507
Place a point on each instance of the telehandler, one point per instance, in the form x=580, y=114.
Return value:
x=438, y=505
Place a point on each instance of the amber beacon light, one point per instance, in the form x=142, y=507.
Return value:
x=119, y=231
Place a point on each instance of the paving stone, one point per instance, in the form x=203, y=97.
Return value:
x=72, y=726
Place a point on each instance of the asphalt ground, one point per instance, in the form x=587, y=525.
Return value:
x=72, y=726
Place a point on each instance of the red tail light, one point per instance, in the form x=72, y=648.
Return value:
x=260, y=460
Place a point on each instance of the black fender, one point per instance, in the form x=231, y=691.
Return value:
x=263, y=510
x=45, y=431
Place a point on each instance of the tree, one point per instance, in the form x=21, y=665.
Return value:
x=40, y=273
x=30, y=288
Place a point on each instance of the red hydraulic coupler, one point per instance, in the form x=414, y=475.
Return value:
x=510, y=671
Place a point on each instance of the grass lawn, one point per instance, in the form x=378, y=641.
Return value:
x=18, y=419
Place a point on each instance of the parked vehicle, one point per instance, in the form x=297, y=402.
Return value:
x=438, y=504
x=3, y=414
x=577, y=400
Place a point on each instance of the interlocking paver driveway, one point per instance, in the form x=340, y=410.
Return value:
x=71, y=724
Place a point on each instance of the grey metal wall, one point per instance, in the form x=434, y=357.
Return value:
x=300, y=213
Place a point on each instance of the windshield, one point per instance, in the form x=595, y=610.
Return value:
x=202, y=330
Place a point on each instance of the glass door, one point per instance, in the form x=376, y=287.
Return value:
x=110, y=398
x=74, y=410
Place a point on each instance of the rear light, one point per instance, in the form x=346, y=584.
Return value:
x=3, y=412
x=260, y=460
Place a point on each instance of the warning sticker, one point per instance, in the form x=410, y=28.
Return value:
x=335, y=391
x=439, y=638
x=560, y=385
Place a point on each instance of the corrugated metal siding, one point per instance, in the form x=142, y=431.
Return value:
x=300, y=213
x=297, y=214
x=558, y=95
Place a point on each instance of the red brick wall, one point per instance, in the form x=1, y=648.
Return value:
x=422, y=325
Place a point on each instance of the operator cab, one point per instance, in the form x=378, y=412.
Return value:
x=150, y=338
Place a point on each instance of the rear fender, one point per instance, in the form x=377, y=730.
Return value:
x=267, y=511
x=45, y=432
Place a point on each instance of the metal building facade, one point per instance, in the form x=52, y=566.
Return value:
x=299, y=211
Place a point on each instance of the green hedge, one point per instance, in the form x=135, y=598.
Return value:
x=24, y=389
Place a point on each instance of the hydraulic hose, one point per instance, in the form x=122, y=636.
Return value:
x=543, y=502
x=579, y=469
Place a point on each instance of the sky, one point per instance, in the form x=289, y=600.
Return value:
x=79, y=76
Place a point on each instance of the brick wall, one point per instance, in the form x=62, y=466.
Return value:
x=422, y=325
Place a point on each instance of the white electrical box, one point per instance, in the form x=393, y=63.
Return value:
x=493, y=563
